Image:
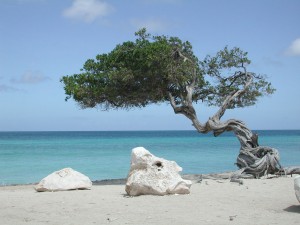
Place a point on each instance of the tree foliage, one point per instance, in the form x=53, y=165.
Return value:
x=156, y=69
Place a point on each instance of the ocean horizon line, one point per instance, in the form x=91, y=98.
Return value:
x=136, y=130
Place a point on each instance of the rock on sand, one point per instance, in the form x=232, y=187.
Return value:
x=150, y=175
x=63, y=180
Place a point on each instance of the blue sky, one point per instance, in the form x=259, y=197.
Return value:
x=42, y=40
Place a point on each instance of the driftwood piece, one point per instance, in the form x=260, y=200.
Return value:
x=289, y=170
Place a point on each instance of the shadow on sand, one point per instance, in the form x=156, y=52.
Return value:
x=293, y=209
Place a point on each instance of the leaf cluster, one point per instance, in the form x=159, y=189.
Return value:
x=227, y=70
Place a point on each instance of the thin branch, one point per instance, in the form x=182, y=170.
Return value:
x=172, y=101
x=229, y=99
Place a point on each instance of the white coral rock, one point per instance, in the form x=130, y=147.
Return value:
x=150, y=175
x=63, y=180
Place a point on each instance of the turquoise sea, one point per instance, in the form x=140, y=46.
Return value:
x=27, y=157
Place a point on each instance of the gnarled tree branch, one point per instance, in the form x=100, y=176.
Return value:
x=253, y=159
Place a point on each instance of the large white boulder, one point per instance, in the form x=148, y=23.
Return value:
x=297, y=187
x=150, y=175
x=63, y=180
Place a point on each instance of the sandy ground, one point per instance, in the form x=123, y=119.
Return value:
x=261, y=201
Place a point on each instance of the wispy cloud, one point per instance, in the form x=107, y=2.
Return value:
x=25, y=1
x=294, y=48
x=152, y=25
x=163, y=1
x=30, y=77
x=272, y=62
x=87, y=10
x=6, y=88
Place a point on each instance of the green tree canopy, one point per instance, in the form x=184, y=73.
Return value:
x=156, y=69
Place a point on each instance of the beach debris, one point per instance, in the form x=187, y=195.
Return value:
x=195, y=178
x=290, y=170
x=111, y=219
x=150, y=175
x=239, y=181
x=297, y=187
x=63, y=180
x=231, y=218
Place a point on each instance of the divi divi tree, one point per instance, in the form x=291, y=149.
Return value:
x=162, y=69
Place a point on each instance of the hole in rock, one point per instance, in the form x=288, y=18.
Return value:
x=158, y=164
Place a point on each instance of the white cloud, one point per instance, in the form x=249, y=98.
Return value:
x=152, y=25
x=87, y=10
x=31, y=77
x=294, y=48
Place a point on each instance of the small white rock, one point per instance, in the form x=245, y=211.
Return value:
x=63, y=180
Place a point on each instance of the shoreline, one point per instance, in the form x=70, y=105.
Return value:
x=195, y=178
x=122, y=181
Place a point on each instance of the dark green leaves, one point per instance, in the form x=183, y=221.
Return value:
x=134, y=74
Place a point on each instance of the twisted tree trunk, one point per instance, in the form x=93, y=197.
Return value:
x=253, y=160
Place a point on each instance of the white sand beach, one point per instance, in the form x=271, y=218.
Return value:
x=257, y=201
